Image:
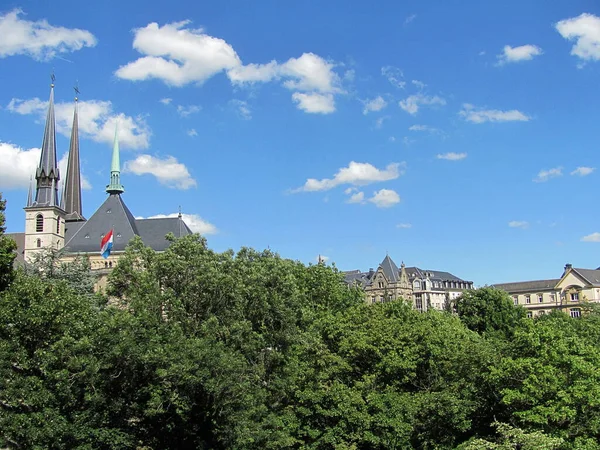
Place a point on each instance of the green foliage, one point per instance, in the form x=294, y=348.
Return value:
x=246, y=350
x=7, y=251
x=488, y=310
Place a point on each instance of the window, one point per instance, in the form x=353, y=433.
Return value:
x=380, y=284
x=528, y=299
x=575, y=297
x=372, y=299
x=542, y=313
x=87, y=236
x=575, y=313
x=108, y=211
x=39, y=243
x=516, y=300
x=540, y=298
x=58, y=225
x=529, y=314
x=39, y=223
x=381, y=299
x=118, y=235
x=417, y=285
x=553, y=297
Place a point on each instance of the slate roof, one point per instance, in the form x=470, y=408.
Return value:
x=19, y=238
x=437, y=275
x=390, y=269
x=527, y=286
x=112, y=214
x=592, y=276
x=356, y=276
x=153, y=231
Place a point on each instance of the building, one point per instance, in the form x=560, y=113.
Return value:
x=56, y=223
x=566, y=293
x=426, y=289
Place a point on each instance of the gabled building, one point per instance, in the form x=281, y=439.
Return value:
x=566, y=293
x=56, y=223
x=425, y=289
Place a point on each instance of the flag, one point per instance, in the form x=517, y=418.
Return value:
x=106, y=244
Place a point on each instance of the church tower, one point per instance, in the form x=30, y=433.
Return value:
x=71, y=197
x=44, y=218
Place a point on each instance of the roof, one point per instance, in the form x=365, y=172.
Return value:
x=527, y=286
x=71, y=198
x=437, y=275
x=390, y=269
x=19, y=238
x=590, y=275
x=114, y=215
x=47, y=174
x=153, y=231
x=363, y=279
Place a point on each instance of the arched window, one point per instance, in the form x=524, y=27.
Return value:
x=110, y=264
x=39, y=223
x=58, y=225
x=39, y=243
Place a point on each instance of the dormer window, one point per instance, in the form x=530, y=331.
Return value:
x=118, y=235
x=39, y=223
x=108, y=211
x=87, y=236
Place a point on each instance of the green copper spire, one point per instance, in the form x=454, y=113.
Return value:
x=115, y=186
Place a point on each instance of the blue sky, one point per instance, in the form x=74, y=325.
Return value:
x=455, y=135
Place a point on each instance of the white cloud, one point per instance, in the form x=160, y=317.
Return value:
x=518, y=224
x=314, y=102
x=545, y=175
x=515, y=54
x=408, y=141
x=412, y=103
x=166, y=101
x=585, y=31
x=385, y=198
x=177, y=55
x=583, y=171
x=419, y=84
x=97, y=121
x=254, y=73
x=168, y=171
x=359, y=197
x=404, y=225
x=409, y=19
x=62, y=168
x=392, y=139
x=394, y=76
x=376, y=104
x=451, y=156
x=357, y=174
x=39, y=39
x=474, y=114
x=193, y=221
x=186, y=111
x=425, y=128
x=242, y=108
x=380, y=120
x=594, y=237
x=18, y=165
x=192, y=132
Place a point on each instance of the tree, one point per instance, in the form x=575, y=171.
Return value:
x=488, y=310
x=7, y=251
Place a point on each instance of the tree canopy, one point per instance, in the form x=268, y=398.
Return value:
x=191, y=348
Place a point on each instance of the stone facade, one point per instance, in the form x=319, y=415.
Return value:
x=567, y=293
x=425, y=289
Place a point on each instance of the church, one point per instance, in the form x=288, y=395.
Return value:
x=58, y=223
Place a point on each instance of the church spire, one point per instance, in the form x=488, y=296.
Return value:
x=71, y=198
x=47, y=175
x=115, y=186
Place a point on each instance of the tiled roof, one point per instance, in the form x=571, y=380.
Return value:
x=591, y=275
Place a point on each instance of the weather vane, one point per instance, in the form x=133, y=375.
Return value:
x=52, y=77
x=76, y=90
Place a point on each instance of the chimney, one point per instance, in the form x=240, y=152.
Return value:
x=371, y=272
x=568, y=266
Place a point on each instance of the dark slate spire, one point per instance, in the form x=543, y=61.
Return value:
x=47, y=175
x=71, y=198
x=115, y=186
